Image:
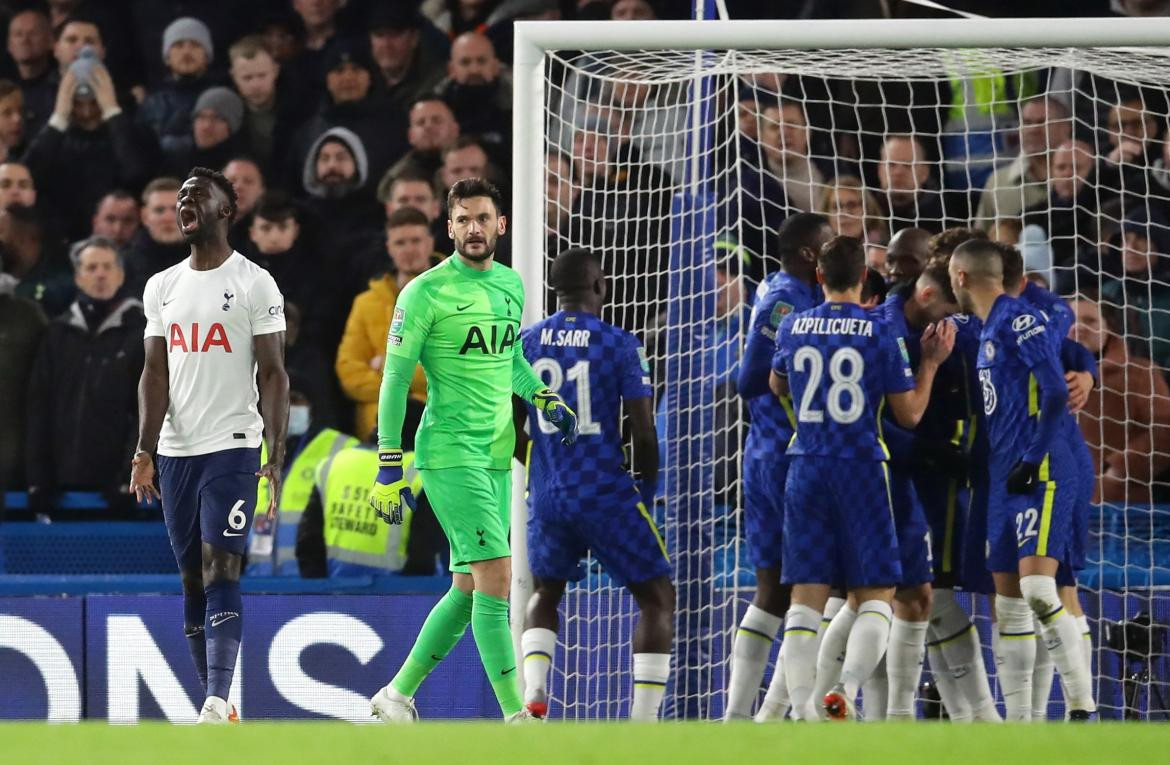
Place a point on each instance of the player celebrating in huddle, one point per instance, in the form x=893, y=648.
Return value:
x=765, y=464
x=1031, y=525
x=595, y=506
x=461, y=320
x=210, y=322
x=841, y=363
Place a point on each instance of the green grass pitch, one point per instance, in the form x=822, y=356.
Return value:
x=328, y=743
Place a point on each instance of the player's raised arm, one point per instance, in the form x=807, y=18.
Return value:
x=937, y=342
x=153, y=399
x=273, y=384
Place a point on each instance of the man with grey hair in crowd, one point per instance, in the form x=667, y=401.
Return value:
x=82, y=406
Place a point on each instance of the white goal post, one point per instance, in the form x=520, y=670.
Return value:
x=687, y=55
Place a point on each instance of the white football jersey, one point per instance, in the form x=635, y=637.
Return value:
x=208, y=319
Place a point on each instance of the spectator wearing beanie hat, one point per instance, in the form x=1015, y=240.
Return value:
x=187, y=52
x=210, y=141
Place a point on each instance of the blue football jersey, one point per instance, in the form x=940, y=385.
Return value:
x=968, y=328
x=594, y=366
x=1055, y=309
x=840, y=361
x=1015, y=342
x=773, y=421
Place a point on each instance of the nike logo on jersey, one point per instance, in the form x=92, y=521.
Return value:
x=227, y=533
x=223, y=616
x=506, y=671
x=436, y=658
x=168, y=302
x=464, y=307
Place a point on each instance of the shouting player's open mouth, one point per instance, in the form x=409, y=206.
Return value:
x=188, y=218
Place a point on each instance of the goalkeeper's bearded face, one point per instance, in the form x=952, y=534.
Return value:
x=475, y=225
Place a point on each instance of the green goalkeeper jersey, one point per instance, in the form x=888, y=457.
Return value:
x=463, y=326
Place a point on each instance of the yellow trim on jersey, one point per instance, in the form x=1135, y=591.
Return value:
x=1045, y=515
x=1033, y=396
x=527, y=467
x=889, y=492
x=654, y=528
x=881, y=437
x=789, y=412
x=949, y=527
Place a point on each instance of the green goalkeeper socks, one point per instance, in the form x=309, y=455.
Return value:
x=489, y=625
x=444, y=626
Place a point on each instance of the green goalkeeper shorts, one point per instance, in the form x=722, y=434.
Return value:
x=474, y=507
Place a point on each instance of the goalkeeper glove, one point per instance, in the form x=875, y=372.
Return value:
x=1023, y=478
x=391, y=491
x=557, y=412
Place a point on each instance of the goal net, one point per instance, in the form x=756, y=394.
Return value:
x=678, y=166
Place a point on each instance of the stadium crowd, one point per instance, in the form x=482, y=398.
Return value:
x=342, y=125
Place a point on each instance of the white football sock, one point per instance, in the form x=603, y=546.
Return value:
x=875, y=693
x=953, y=634
x=1042, y=676
x=1015, y=656
x=749, y=657
x=904, y=666
x=651, y=671
x=1063, y=639
x=538, y=646
x=866, y=645
x=775, y=704
x=949, y=692
x=1086, y=640
x=799, y=652
x=831, y=654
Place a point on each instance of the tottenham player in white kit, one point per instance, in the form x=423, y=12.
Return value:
x=214, y=325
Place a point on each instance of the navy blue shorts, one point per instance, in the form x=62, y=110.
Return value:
x=1086, y=478
x=616, y=529
x=944, y=501
x=1040, y=523
x=763, y=510
x=914, y=547
x=974, y=576
x=839, y=524
x=209, y=498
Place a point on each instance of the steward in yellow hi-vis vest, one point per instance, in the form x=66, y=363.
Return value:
x=339, y=517
x=272, y=548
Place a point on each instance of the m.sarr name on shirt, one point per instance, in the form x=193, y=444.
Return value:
x=820, y=325
x=570, y=338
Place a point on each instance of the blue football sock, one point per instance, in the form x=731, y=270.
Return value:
x=224, y=625
x=194, y=612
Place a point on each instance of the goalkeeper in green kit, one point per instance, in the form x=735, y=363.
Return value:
x=461, y=321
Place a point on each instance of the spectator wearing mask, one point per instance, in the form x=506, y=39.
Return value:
x=432, y=129
x=1140, y=281
x=248, y=181
x=306, y=363
x=23, y=324
x=159, y=244
x=1126, y=420
x=11, y=121
x=310, y=442
x=36, y=262
x=116, y=218
x=362, y=352
x=210, y=140
x=167, y=109
x=82, y=400
x=408, y=66
x=478, y=89
x=30, y=45
x=88, y=147
x=351, y=102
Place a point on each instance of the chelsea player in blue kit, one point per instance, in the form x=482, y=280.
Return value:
x=842, y=365
x=581, y=498
x=765, y=465
x=1032, y=481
